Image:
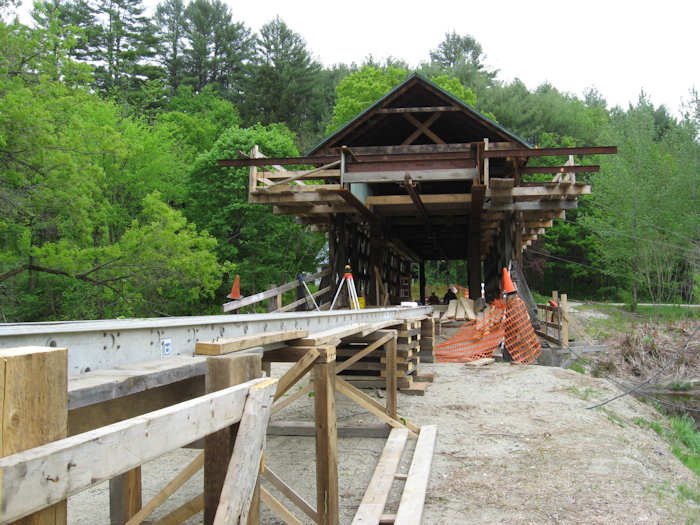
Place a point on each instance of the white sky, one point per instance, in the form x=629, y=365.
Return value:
x=618, y=46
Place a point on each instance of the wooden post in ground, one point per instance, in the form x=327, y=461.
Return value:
x=391, y=381
x=223, y=372
x=34, y=401
x=422, y=282
x=326, y=437
x=564, y=308
x=478, y=193
x=555, y=313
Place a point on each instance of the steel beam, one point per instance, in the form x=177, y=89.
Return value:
x=106, y=344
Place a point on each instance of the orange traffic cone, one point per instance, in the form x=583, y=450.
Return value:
x=236, y=289
x=508, y=286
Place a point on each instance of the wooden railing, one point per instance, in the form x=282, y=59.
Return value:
x=554, y=320
x=274, y=295
x=41, y=472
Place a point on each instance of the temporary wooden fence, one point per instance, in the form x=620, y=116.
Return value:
x=554, y=320
x=274, y=295
x=39, y=470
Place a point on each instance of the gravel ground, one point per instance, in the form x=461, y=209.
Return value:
x=515, y=445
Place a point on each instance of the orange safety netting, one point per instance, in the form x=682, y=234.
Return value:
x=479, y=338
x=521, y=341
x=475, y=339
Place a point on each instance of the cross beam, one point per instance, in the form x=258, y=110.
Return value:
x=422, y=128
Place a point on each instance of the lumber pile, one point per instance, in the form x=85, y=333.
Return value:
x=427, y=340
x=460, y=309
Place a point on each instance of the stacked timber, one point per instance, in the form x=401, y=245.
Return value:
x=371, y=371
x=427, y=340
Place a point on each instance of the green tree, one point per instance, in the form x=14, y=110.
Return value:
x=283, y=83
x=218, y=50
x=172, y=24
x=265, y=248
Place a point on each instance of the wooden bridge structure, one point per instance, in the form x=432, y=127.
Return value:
x=420, y=176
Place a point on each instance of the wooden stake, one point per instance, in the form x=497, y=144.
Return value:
x=391, y=381
x=223, y=372
x=326, y=439
x=34, y=399
x=564, y=305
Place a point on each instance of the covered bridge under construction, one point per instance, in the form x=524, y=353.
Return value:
x=420, y=176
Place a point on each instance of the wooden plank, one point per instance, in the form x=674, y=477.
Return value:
x=391, y=379
x=183, y=512
x=451, y=309
x=410, y=510
x=434, y=175
x=548, y=152
x=370, y=404
x=302, y=174
x=299, y=302
x=242, y=474
x=124, y=496
x=245, y=342
x=178, y=481
x=326, y=443
x=285, y=489
x=374, y=500
x=223, y=372
x=34, y=404
x=308, y=428
x=103, y=453
x=326, y=336
x=278, y=509
x=419, y=109
x=405, y=200
x=362, y=353
x=296, y=372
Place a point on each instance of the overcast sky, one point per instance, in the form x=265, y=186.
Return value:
x=618, y=46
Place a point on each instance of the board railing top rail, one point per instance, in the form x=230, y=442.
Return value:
x=39, y=477
x=272, y=292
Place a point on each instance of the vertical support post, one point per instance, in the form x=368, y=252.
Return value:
x=555, y=298
x=223, y=372
x=252, y=174
x=274, y=303
x=326, y=437
x=486, y=164
x=564, y=307
x=34, y=382
x=518, y=237
x=478, y=193
x=301, y=294
x=342, y=168
x=421, y=281
x=124, y=496
x=391, y=381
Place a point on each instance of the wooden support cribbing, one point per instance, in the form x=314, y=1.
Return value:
x=124, y=496
x=223, y=372
x=478, y=192
x=391, y=382
x=326, y=438
x=564, y=306
x=34, y=409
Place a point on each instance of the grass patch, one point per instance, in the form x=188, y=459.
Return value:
x=680, y=387
x=686, y=492
x=577, y=366
x=584, y=394
x=668, y=313
x=614, y=418
x=682, y=436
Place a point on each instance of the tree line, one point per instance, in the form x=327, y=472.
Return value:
x=112, y=203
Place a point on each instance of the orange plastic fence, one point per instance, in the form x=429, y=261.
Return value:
x=477, y=339
x=521, y=341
